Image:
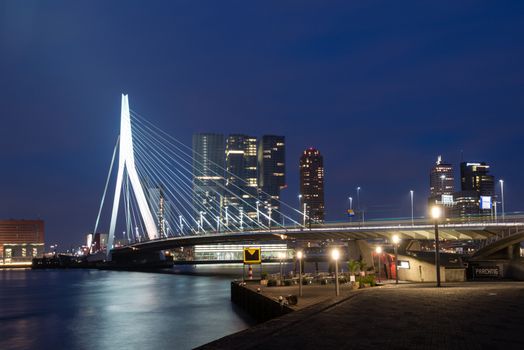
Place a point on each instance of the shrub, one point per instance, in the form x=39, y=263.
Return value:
x=272, y=283
x=369, y=279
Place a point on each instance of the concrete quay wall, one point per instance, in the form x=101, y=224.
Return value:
x=258, y=306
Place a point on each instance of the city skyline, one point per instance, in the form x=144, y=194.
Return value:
x=379, y=96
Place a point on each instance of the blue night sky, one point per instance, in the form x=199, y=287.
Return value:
x=380, y=88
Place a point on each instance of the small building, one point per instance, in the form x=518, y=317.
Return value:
x=21, y=241
x=420, y=267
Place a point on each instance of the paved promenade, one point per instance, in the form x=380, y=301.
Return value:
x=415, y=316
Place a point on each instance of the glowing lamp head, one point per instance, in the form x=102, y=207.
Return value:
x=378, y=250
x=396, y=239
x=436, y=212
x=335, y=254
x=299, y=254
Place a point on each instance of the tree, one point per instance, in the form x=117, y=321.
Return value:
x=353, y=266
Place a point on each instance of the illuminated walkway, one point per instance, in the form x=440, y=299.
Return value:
x=418, y=316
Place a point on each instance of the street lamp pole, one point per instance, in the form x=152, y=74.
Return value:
x=350, y=199
x=258, y=212
x=299, y=257
x=378, y=250
x=304, y=214
x=358, y=198
x=412, y=221
x=502, y=194
x=436, y=212
x=335, y=254
x=396, y=241
x=281, y=256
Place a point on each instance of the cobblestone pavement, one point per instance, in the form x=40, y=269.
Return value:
x=417, y=316
x=311, y=294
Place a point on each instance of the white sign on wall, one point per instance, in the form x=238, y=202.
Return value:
x=485, y=202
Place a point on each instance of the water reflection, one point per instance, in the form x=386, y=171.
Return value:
x=91, y=309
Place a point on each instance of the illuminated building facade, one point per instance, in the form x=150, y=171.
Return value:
x=241, y=177
x=442, y=185
x=21, y=241
x=441, y=180
x=271, y=174
x=478, y=190
x=312, y=185
x=208, y=176
x=475, y=177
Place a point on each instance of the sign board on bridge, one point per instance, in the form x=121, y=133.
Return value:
x=252, y=256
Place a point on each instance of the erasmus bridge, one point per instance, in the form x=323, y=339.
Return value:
x=155, y=196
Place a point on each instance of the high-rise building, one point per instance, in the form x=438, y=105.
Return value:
x=477, y=190
x=241, y=178
x=441, y=183
x=208, y=178
x=475, y=177
x=271, y=174
x=312, y=185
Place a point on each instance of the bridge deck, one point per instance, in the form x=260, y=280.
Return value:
x=451, y=231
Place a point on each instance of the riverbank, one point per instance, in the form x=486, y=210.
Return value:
x=469, y=315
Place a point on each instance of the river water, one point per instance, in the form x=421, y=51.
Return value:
x=93, y=309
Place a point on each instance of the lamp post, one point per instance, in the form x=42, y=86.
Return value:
x=304, y=214
x=436, y=213
x=396, y=241
x=502, y=194
x=281, y=256
x=442, y=178
x=299, y=257
x=358, y=201
x=350, y=200
x=358, y=198
x=378, y=250
x=412, y=221
x=335, y=254
x=258, y=212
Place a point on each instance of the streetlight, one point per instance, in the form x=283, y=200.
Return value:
x=299, y=257
x=412, y=221
x=358, y=198
x=335, y=254
x=378, y=250
x=436, y=213
x=258, y=212
x=281, y=256
x=350, y=199
x=304, y=219
x=396, y=241
x=502, y=194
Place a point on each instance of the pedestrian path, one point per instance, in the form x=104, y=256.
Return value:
x=479, y=315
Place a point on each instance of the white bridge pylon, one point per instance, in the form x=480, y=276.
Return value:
x=126, y=161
